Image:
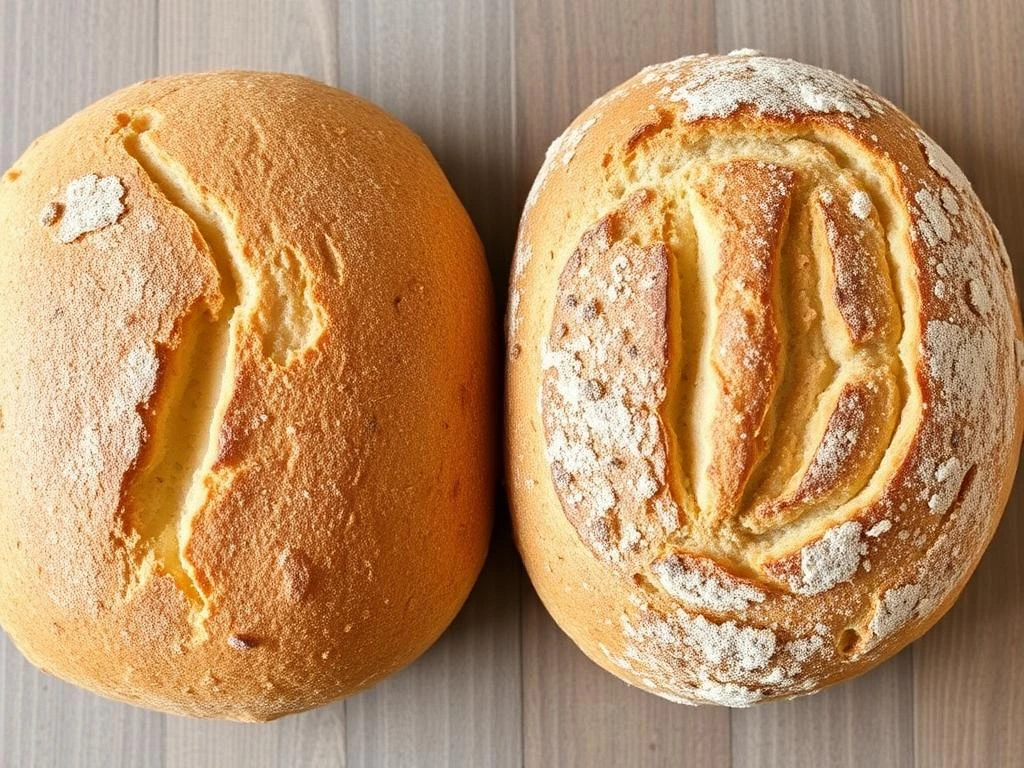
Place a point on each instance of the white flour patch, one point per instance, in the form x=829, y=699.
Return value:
x=830, y=560
x=704, y=589
x=879, y=528
x=960, y=362
x=978, y=296
x=90, y=204
x=942, y=163
x=949, y=201
x=735, y=647
x=948, y=475
x=803, y=648
x=729, y=694
x=860, y=204
x=932, y=221
x=717, y=87
x=523, y=254
x=896, y=608
x=695, y=660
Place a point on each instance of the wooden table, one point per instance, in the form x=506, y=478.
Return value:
x=488, y=84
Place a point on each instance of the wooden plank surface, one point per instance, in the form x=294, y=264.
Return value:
x=488, y=84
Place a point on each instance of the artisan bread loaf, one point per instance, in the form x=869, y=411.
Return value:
x=763, y=380
x=247, y=443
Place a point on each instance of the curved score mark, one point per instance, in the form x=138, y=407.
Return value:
x=856, y=415
x=604, y=366
x=170, y=485
x=739, y=215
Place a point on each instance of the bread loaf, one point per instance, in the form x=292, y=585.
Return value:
x=246, y=445
x=763, y=376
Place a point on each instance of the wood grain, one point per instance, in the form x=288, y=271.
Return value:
x=263, y=34
x=488, y=84
x=965, y=85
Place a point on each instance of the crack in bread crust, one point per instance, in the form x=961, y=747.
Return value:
x=170, y=483
x=174, y=478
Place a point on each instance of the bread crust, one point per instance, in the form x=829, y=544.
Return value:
x=824, y=445
x=290, y=303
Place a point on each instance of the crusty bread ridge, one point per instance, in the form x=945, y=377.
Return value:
x=246, y=443
x=763, y=405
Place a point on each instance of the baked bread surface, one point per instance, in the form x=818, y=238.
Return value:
x=763, y=380
x=246, y=443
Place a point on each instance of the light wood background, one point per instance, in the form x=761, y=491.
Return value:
x=488, y=84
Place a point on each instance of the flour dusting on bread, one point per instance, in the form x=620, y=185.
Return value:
x=855, y=493
x=829, y=560
x=604, y=381
x=698, y=582
x=90, y=204
x=718, y=87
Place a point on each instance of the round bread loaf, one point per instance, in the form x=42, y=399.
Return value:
x=247, y=440
x=764, y=380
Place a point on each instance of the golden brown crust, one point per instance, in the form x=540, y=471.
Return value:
x=268, y=309
x=855, y=272
x=746, y=203
x=882, y=427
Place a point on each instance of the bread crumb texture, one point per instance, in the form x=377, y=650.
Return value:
x=764, y=393
x=223, y=307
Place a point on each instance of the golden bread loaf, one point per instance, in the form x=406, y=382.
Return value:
x=246, y=445
x=763, y=380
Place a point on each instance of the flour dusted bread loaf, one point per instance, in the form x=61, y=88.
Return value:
x=764, y=380
x=246, y=444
